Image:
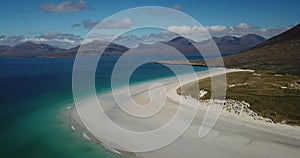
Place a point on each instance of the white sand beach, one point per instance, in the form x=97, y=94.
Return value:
x=232, y=136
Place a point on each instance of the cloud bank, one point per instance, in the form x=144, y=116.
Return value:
x=67, y=40
x=221, y=30
x=62, y=40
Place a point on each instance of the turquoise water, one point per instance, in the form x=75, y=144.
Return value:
x=34, y=94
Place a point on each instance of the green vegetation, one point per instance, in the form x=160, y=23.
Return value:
x=270, y=95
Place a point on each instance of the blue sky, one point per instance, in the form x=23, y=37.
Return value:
x=32, y=18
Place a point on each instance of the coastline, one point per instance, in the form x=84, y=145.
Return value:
x=71, y=118
x=279, y=135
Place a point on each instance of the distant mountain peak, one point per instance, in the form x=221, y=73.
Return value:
x=27, y=42
x=252, y=35
x=280, y=53
x=253, y=38
x=180, y=40
x=238, y=44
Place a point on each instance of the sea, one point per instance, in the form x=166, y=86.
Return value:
x=34, y=95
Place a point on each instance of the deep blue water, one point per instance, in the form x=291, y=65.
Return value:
x=34, y=93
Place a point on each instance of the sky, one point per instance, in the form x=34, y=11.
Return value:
x=66, y=23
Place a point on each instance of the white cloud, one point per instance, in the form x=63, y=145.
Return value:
x=242, y=26
x=99, y=37
x=221, y=30
x=199, y=31
x=217, y=28
x=131, y=40
x=269, y=32
x=57, y=35
x=11, y=40
x=194, y=32
x=64, y=7
x=63, y=40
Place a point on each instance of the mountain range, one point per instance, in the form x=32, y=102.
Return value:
x=280, y=53
x=235, y=44
x=225, y=44
x=30, y=49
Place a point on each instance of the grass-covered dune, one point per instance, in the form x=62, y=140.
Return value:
x=270, y=95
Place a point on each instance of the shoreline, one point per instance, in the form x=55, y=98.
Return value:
x=72, y=119
x=172, y=85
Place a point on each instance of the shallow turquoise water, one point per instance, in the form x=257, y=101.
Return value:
x=34, y=94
